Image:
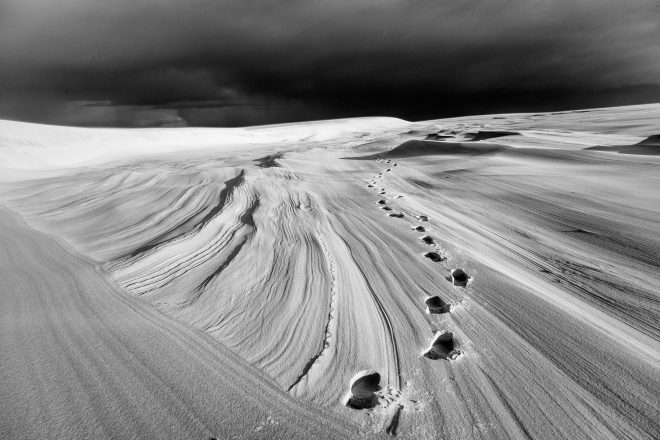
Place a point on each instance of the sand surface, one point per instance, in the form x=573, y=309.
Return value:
x=281, y=281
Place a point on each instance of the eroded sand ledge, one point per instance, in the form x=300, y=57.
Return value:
x=192, y=283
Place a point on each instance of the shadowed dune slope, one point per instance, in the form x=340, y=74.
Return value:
x=414, y=148
x=648, y=147
x=486, y=134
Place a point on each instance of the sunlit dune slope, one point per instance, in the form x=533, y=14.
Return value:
x=481, y=277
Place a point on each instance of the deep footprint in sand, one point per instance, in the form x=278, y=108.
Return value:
x=394, y=423
x=459, y=277
x=427, y=239
x=363, y=388
x=435, y=304
x=386, y=208
x=434, y=256
x=381, y=202
x=442, y=347
x=422, y=218
x=396, y=214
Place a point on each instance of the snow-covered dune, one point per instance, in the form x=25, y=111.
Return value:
x=480, y=277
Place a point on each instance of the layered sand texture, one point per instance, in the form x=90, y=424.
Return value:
x=497, y=275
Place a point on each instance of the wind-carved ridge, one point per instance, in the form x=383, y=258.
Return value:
x=247, y=218
x=332, y=269
x=164, y=238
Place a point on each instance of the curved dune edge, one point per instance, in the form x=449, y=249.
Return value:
x=281, y=257
x=98, y=363
x=648, y=147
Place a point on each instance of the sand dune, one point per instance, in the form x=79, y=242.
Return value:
x=648, y=147
x=481, y=277
x=424, y=148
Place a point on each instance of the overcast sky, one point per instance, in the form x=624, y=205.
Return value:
x=245, y=62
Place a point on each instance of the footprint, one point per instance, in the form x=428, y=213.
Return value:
x=442, y=347
x=394, y=423
x=419, y=228
x=388, y=170
x=436, y=305
x=434, y=256
x=363, y=387
x=459, y=278
x=381, y=202
x=428, y=239
x=422, y=218
x=370, y=186
x=386, y=208
x=394, y=164
x=396, y=214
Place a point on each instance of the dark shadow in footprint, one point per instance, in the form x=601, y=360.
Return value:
x=394, y=424
x=362, y=395
x=422, y=218
x=419, y=229
x=386, y=208
x=435, y=304
x=442, y=347
x=459, y=277
x=396, y=214
x=381, y=202
x=428, y=239
x=387, y=170
x=370, y=186
x=434, y=256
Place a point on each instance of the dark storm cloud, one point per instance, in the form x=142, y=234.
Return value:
x=246, y=62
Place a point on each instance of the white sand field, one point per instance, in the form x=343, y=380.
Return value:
x=299, y=280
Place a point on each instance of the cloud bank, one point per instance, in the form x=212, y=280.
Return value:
x=209, y=62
